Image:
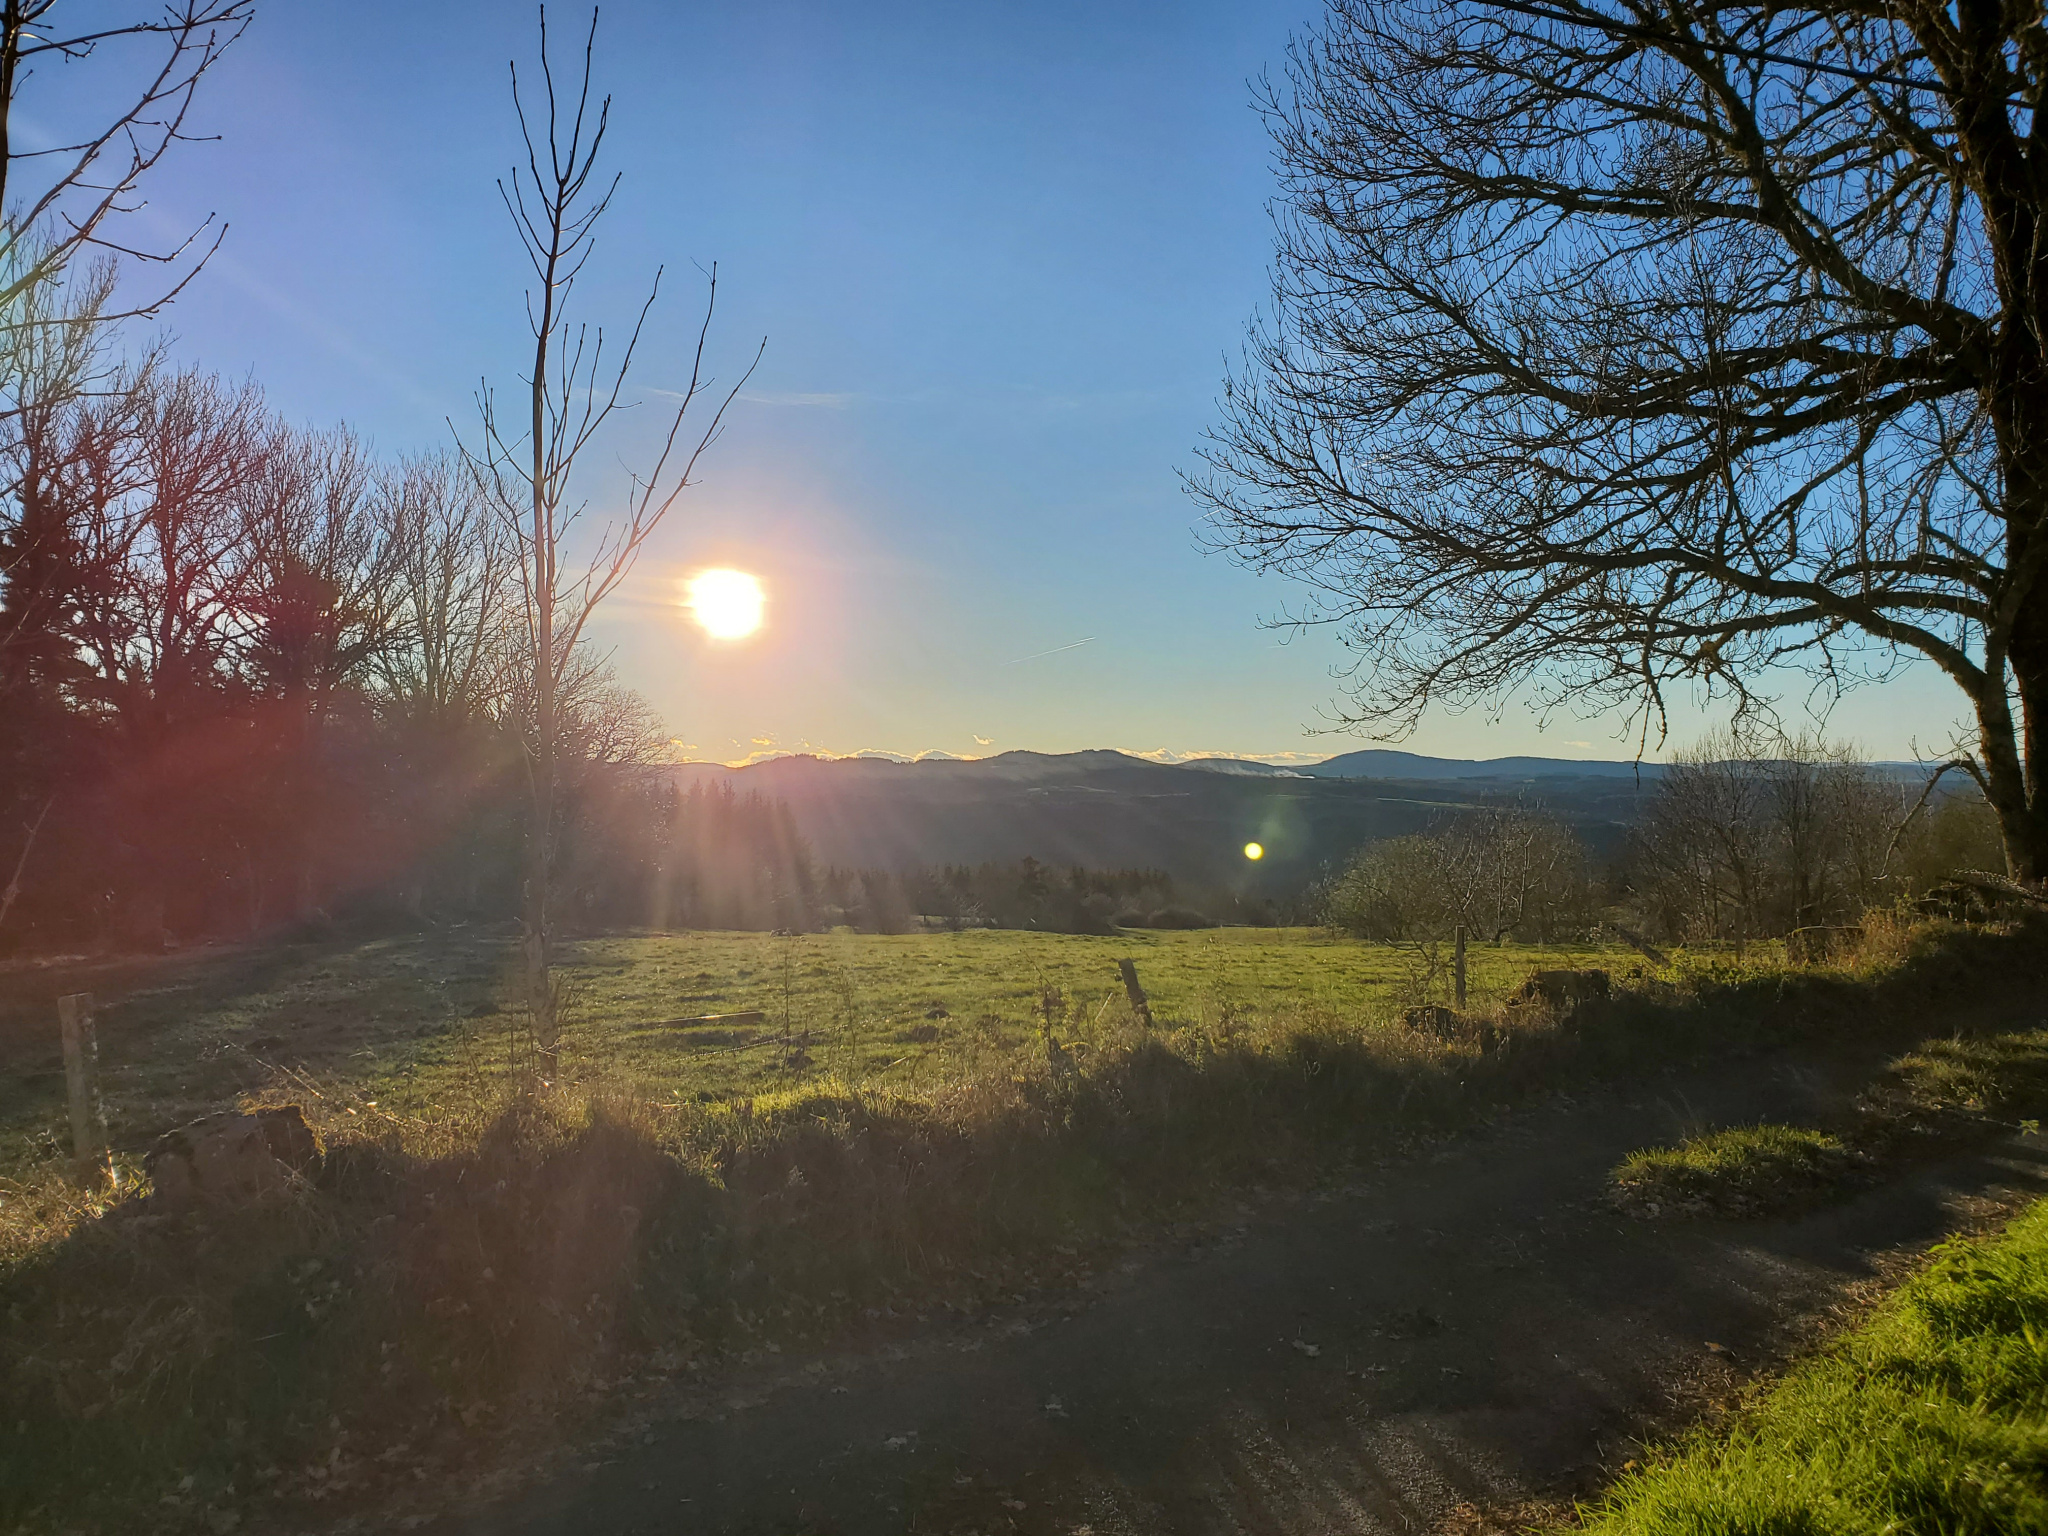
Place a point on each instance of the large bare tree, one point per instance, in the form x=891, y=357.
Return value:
x=529, y=461
x=1620, y=346
x=75, y=197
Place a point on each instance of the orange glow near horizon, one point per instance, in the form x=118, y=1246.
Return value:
x=727, y=605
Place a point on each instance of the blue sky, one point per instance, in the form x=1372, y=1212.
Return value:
x=1000, y=254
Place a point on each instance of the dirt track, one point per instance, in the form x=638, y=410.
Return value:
x=1468, y=1326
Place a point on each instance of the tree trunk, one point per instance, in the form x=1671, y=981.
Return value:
x=2020, y=822
x=301, y=778
x=540, y=987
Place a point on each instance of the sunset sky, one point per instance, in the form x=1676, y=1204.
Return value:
x=1000, y=254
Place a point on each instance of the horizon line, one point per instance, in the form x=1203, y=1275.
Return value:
x=1164, y=756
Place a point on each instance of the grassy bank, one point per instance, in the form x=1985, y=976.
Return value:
x=466, y=1265
x=1929, y=1418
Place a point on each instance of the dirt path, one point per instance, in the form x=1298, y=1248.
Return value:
x=1468, y=1326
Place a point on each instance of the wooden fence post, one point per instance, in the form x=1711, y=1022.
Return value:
x=1458, y=967
x=1139, y=1005
x=82, y=1079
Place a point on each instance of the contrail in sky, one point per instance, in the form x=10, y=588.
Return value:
x=1053, y=652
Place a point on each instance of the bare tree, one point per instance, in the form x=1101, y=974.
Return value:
x=162, y=522
x=603, y=722
x=67, y=199
x=1624, y=345
x=1752, y=836
x=451, y=568
x=1702, y=852
x=323, y=586
x=529, y=465
x=56, y=457
x=60, y=202
x=1391, y=892
x=318, y=609
x=1522, y=870
x=1493, y=870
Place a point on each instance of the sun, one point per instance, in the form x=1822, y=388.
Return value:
x=1253, y=851
x=728, y=604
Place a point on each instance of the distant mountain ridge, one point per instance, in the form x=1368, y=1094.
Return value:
x=1108, y=809
x=1382, y=763
x=1370, y=763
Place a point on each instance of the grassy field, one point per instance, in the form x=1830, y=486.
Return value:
x=1926, y=1419
x=413, y=1022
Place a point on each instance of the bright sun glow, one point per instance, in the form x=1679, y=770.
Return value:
x=1254, y=851
x=727, y=603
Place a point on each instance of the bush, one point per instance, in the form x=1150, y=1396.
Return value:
x=1747, y=839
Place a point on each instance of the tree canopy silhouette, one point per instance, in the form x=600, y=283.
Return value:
x=1619, y=346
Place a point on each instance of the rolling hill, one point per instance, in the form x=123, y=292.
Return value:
x=1111, y=810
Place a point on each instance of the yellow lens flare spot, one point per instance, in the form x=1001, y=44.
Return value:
x=727, y=605
x=1254, y=851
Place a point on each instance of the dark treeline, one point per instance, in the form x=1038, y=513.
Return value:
x=641, y=853
x=250, y=675
x=1029, y=894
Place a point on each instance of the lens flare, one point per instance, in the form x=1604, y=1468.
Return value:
x=726, y=604
x=1254, y=851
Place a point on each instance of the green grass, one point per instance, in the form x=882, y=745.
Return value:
x=1972, y=1078
x=413, y=1022
x=1931, y=1419
x=1743, y=1170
